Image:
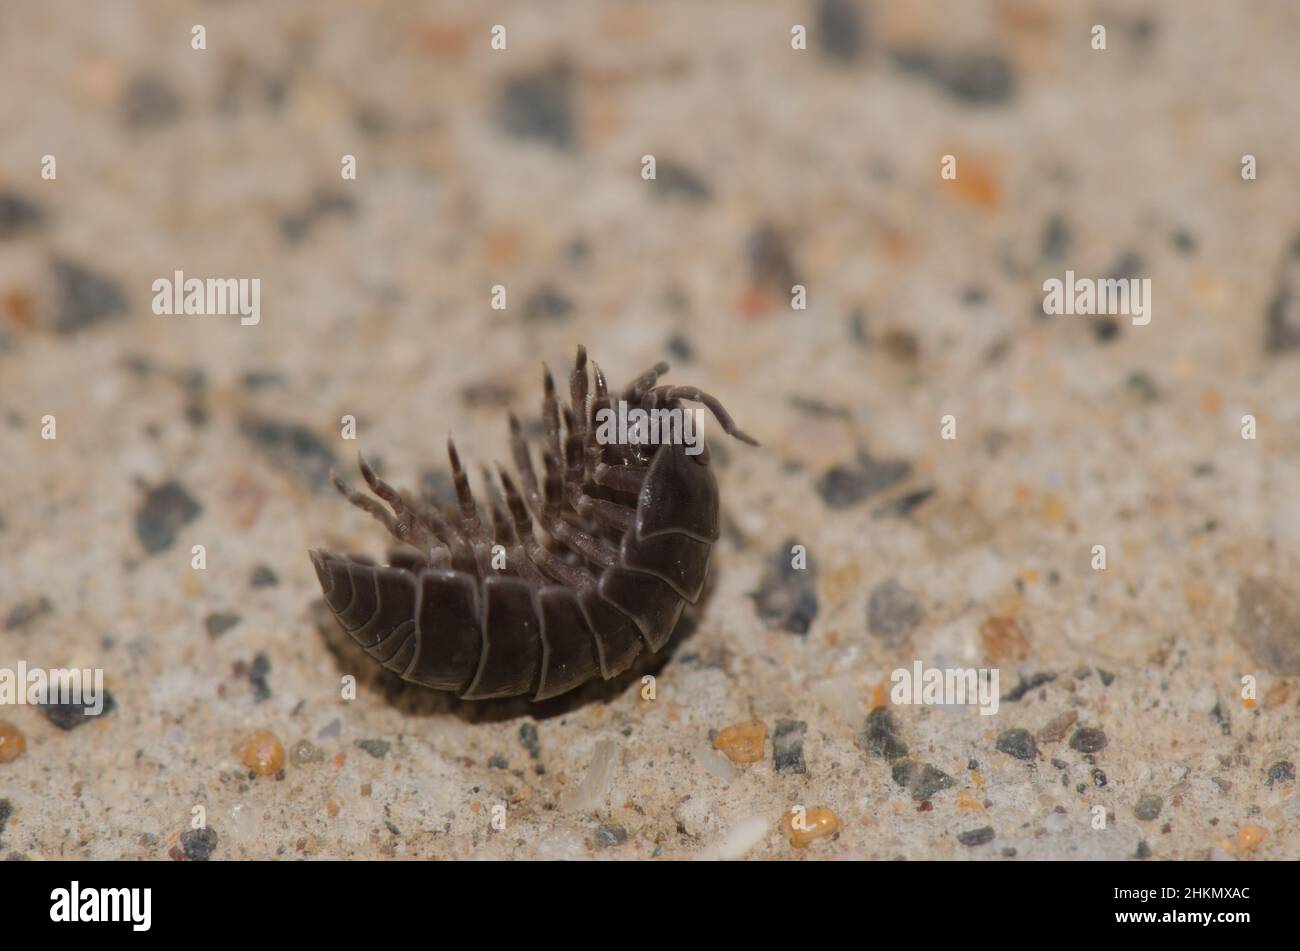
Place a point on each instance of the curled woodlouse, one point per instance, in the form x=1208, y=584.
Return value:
x=625, y=536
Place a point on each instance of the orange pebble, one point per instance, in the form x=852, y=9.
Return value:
x=262, y=753
x=12, y=742
x=805, y=827
x=1248, y=837
x=743, y=742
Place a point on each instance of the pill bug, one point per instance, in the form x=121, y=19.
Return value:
x=626, y=532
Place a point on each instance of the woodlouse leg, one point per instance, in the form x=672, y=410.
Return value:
x=695, y=395
x=611, y=514
x=578, y=388
x=366, y=504
x=470, y=521
x=408, y=526
x=555, y=568
x=620, y=478
x=524, y=463
x=551, y=413
x=637, y=389
x=596, y=550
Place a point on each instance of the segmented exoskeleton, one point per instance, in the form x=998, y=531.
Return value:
x=624, y=541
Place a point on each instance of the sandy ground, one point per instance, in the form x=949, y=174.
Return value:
x=775, y=166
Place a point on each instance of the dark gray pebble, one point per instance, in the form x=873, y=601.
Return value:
x=973, y=837
x=67, y=716
x=1018, y=743
x=892, y=612
x=787, y=746
x=166, y=510
x=879, y=736
x=1148, y=807
x=376, y=748
x=1088, y=739
x=219, y=622
x=921, y=779
x=199, y=843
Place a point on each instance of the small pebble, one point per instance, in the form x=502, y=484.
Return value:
x=1018, y=743
x=305, y=752
x=1249, y=837
x=16, y=215
x=6, y=810
x=292, y=448
x=1088, y=739
x=846, y=485
x=264, y=577
x=609, y=836
x=973, y=837
x=529, y=740
x=1148, y=807
x=539, y=106
x=817, y=823
x=1283, y=771
x=199, y=843
x=921, y=779
x=787, y=746
x=742, y=742
x=879, y=736
x=68, y=716
x=376, y=748
x=786, y=598
x=84, y=297
x=25, y=612
x=892, y=612
x=219, y=622
x=838, y=30
x=498, y=762
x=12, y=742
x=262, y=753
x=166, y=510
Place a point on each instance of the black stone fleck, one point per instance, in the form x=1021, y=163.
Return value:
x=83, y=297
x=787, y=746
x=846, y=485
x=199, y=843
x=376, y=748
x=166, y=510
x=892, y=612
x=219, y=622
x=17, y=214
x=292, y=448
x=1107, y=678
x=68, y=716
x=921, y=779
x=547, y=303
x=677, y=181
x=264, y=577
x=1025, y=686
x=973, y=837
x=1018, y=743
x=150, y=101
x=1056, y=238
x=879, y=736
x=787, y=596
x=539, y=106
x=839, y=31
x=25, y=612
x=1143, y=850
x=974, y=78
x=1283, y=771
x=257, y=675
x=529, y=740
x=1088, y=739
